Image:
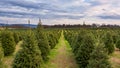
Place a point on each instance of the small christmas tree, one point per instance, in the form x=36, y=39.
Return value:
x=1, y=57
x=52, y=40
x=109, y=43
x=42, y=41
x=99, y=58
x=29, y=56
x=118, y=43
x=84, y=51
x=16, y=37
x=8, y=42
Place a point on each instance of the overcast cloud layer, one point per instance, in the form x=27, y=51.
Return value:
x=60, y=11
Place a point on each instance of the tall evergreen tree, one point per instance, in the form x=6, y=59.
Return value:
x=99, y=58
x=84, y=51
x=42, y=41
x=29, y=56
x=109, y=43
x=77, y=42
x=1, y=56
x=8, y=42
x=16, y=37
x=118, y=43
x=52, y=40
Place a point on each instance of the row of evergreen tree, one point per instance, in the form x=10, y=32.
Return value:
x=92, y=47
x=34, y=49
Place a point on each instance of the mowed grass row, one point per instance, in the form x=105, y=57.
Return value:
x=7, y=61
x=61, y=56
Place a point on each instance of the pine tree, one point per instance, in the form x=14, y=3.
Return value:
x=109, y=43
x=8, y=42
x=16, y=37
x=52, y=40
x=42, y=41
x=99, y=58
x=29, y=56
x=77, y=43
x=118, y=43
x=115, y=37
x=84, y=51
x=1, y=57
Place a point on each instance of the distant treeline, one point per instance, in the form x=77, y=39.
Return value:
x=82, y=26
x=62, y=26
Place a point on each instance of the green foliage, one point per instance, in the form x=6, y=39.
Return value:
x=99, y=58
x=30, y=55
x=115, y=37
x=82, y=47
x=42, y=42
x=1, y=57
x=8, y=42
x=83, y=54
x=21, y=34
x=79, y=38
x=109, y=43
x=53, y=37
x=118, y=43
x=16, y=37
x=52, y=40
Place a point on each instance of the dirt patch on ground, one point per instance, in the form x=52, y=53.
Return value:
x=116, y=60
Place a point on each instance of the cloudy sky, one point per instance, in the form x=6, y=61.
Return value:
x=60, y=11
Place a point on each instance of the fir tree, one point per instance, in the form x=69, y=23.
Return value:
x=1, y=57
x=29, y=56
x=52, y=40
x=77, y=43
x=84, y=51
x=99, y=58
x=118, y=43
x=8, y=42
x=42, y=41
x=16, y=37
x=109, y=43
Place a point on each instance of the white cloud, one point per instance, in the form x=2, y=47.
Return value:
x=103, y=9
x=70, y=14
x=80, y=21
x=60, y=11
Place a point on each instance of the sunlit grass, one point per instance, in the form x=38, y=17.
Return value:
x=51, y=56
x=8, y=60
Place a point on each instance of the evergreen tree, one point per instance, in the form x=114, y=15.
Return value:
x=84, y=51
x=115, y=37
x=29, y=56
x=109, y=43
x=77, y=43
x=42, y=41
x=118, y=43
x=1, y=57
x=16, y=37
x=99, y=58
x=8, y=42
x=52, y=40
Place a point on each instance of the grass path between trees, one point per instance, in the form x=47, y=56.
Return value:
x=115, y=59
x=61, y=56
x=7, y=61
